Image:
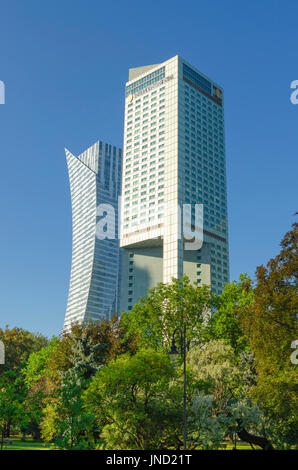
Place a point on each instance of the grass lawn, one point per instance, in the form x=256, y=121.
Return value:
x=241, y=446
x=28, y=444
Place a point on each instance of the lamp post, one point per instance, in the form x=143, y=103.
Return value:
x=173, y=355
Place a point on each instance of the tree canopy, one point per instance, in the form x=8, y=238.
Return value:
x=111, y=385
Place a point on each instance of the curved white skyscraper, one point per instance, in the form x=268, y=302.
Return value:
x=95, y=184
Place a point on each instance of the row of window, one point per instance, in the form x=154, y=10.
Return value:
x=130, y=278
x=146, y=81
x=203, y=179
x=193, y=98
x=197, y=79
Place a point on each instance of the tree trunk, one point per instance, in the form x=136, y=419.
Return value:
x=7, y=429
x=2, y=438
x=257, y=440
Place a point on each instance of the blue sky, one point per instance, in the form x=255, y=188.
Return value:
x=65, y=64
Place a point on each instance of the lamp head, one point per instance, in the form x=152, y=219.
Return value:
x=174, y=353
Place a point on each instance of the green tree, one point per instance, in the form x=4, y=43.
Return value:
x=39, y=384
x=73, y=424
x=38, y=362
x=136, y=403
x=218, y=407
x=48, y=421
x=215, y=369
x=270, y=325
x=107, y=338
x=205, y=430
x=84, y=357
x=224, y=324
x=19, y=344
x=65, y=418
x=12, y=410
x=155, y=317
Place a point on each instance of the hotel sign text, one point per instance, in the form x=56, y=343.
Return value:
x=154, y=85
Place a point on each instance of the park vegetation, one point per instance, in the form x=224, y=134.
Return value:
x=111, y=384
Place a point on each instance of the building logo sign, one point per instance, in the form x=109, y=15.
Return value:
x=217, y=93
x=154, y=85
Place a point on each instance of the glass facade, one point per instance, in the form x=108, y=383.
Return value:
x=174, y=154
x=95, y=178
x=146, y=81
x=196, y=78
x=204, y=173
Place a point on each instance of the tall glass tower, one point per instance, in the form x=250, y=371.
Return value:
x=95, y=181
x=174, y=154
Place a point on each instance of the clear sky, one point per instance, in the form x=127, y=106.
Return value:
x=65, y=64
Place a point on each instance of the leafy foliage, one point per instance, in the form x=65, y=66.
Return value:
x=111, y=385
x=136, y=403
x=72, y=423
x=219, y=407
x=108, y=339
x=19, y=344
x=12, y=408
x=166, y=306
x=224, y=324
x=270, y=325
x=38, y=362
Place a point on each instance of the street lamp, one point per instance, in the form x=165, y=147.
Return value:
x=174, y=353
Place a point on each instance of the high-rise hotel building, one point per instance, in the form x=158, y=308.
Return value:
x=95, y=181
x=174, y=154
